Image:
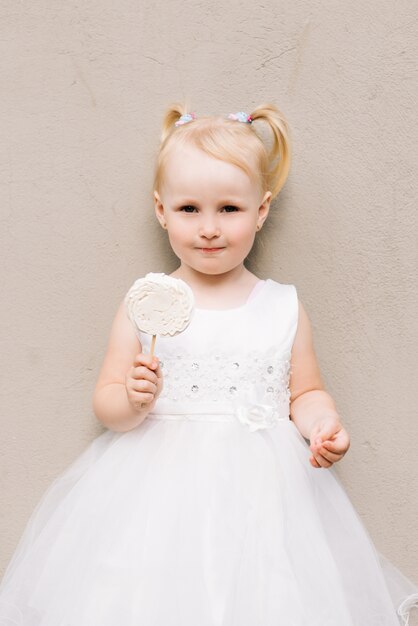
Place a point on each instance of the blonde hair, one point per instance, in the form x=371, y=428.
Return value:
x=232, y=141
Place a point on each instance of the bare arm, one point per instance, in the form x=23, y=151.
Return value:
x=110, y=399
x=308, y=399
x=312, y=409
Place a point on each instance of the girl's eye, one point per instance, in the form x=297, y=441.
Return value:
x=188, y=208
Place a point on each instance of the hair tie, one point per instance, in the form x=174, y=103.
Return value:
x=241, y=117
x=185, y=118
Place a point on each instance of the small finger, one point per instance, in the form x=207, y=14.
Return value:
x=323, y=462
x=143, y=397
x=143, y=372
x=314, y=462
x=334, y=448
x=144, y=386
x=147, y=360
x=327, y=454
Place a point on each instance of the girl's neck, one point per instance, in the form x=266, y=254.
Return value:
x=232, y=287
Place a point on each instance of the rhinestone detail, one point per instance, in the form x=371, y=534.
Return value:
x=217, y=377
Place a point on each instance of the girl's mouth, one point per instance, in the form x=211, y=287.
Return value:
x=209, y=250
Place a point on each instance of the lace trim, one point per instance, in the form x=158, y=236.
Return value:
x=224, y=377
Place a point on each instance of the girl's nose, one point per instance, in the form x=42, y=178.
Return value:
x=209, y=228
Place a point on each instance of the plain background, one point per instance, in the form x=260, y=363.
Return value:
x=84, y=88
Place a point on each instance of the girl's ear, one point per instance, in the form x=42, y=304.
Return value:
x=159, y=209
x=263, y=209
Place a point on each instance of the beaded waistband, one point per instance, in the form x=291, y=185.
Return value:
x=253, y=419
x=248, y=409
x=194, y=417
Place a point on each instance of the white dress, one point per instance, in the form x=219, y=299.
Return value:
x=209, y=512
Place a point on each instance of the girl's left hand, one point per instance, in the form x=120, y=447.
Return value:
x=329, y=441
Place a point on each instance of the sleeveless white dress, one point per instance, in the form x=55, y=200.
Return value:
x=209, y=512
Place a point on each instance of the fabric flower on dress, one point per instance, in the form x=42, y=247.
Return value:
x=252, y=411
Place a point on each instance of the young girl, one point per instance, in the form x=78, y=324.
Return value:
x=212, y=498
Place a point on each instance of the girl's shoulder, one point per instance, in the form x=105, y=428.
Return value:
x=282, y=289
x=283, y=302
x=281, y=299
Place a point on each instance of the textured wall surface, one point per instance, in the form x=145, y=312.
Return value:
x=84, y=86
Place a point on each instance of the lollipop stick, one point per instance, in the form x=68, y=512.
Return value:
x=154, y=337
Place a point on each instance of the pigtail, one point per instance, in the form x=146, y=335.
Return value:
x=280, y=153
x=172, y=114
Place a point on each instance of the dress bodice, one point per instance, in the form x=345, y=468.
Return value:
x=226, y=358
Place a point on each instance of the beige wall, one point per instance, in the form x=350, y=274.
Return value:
x=84, y=86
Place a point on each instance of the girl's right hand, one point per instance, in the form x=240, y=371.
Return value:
x=144, y=382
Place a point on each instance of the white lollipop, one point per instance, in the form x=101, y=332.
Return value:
x=160, y=305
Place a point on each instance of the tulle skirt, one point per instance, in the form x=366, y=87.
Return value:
x=183, y=522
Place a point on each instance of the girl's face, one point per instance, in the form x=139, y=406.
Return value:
x=211, y=209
